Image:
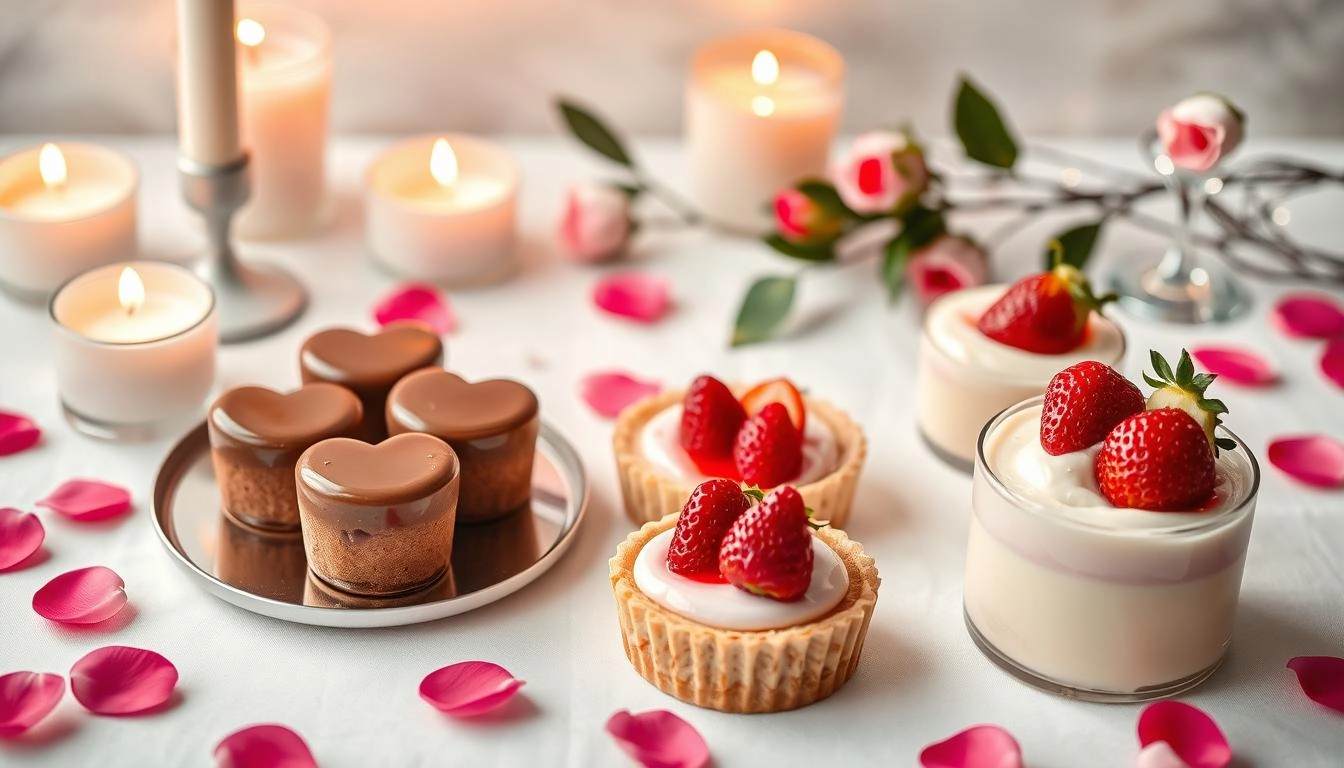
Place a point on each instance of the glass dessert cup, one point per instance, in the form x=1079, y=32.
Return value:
x=1127, y=609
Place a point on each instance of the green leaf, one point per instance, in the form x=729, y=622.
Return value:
x=894, y=258
x=980, y=128
x=802, y=251
x=766, y=305
x=588, y=129
x=1152, y=382
x=1073, y=246
x=824, y=195
x=1185, y=368
x=1161, y=366
x=631, y=191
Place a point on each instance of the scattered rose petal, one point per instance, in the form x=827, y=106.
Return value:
x=415, y=301
x=659, y=739
x=84, y=596
x=88, y=500
x=1332, y=361
x=17, y=433
x=1310, y=315
x=980, y=746
x=1191, y=733
x=1312, y=459
x=26, y=698
x=469, y=688
x=643, y=298
x=1159, y=754
x=264, y=746
x=1321, y=678
x=609, y=393
x=1238, y=366
x=120, y=680
x=21, y=533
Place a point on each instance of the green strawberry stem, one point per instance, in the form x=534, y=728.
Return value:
x=1193, y=385
x=756, y=495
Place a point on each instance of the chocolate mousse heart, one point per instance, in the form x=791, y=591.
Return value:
x=398, y=470
x=256, y=416
x=446, y=405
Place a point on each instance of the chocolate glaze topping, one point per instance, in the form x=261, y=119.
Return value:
x=262, y=417
x=398, y=470
x=441, y=403
x=357, y=360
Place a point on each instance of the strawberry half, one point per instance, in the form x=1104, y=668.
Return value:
x=1083, y=403
x=1157, y=460
x=780, y=391
x=1045, y=313
x=710, y=419
x=768, y=550
x=711, y=510
x=769, y=448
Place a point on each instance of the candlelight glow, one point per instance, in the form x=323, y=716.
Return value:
x=130, y=291
x=443, y=164
x=51, y=164
x=251, y=33
x=765, y=68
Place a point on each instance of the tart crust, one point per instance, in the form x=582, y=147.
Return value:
x=651, y=495
x=744, y=671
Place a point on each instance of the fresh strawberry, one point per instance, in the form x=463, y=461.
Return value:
x=1184, y=389
x=768, y=550
x=1045, y=313
x=1157, y=460
x=711, y=510
x=1083, y=403
x=769, y=448
x=710, y=419
x=777, y=391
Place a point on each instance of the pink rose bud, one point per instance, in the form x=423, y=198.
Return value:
x=884, y=173
x=800, y=220
x=947, y=264
x=1199, y=131
x=596, y=222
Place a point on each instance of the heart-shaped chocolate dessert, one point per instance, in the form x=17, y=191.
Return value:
x=256, y=416
x=398, y=470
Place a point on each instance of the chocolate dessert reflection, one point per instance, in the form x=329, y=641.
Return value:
x=319, y=594
x=488, y=553
x=264, y=563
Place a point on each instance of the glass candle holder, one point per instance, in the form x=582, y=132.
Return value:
x=1100, y=603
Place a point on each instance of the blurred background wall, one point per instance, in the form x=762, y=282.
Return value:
x=1059, y=66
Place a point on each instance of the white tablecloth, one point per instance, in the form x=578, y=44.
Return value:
x=353, y=693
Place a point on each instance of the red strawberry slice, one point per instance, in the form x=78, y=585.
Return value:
x=710, y=419
x=768, y=550
x=1045, y=313
x=769, y=449
x=780, y=391
x=1157, y=460
x=711, y=510
x=1083, y=403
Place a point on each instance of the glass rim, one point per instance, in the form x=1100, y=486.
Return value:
x=72, y=333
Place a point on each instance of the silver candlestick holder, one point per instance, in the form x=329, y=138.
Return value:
x=253, y=301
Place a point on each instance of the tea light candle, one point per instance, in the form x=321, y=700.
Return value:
x=134, y=347
x=761, y=112
x=284, y=70
x=64, y=209
x=443, y=209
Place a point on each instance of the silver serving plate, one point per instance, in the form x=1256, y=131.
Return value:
x=268, y=574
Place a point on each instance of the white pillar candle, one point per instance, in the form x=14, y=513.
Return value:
x=134, y=346
x=207, y=87
x=64, y=209
x=442, y=208
x=284, y=62
x=761, y=112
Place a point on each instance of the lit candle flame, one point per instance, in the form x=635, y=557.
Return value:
x=130, y=291
x=765, y=72
x=443, y=164
x=251, y=33
x=51, y=164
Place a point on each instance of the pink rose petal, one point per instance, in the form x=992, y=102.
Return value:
x=1309, y=315
x=1321, y=678
x=980, y=746
x=21, y=534
x=1159, y=754
x=120, y=680
x=469, y=688
x=1312, y=459
x=88, y=500
x=264, y=746
x=26, y=698
x=1192, y=734
x=609, y=393
x=414, y=301
x=1239, y=366
x=639, y=297
x=84, y=596
x=658, y=739
x=1332, y=361
x=17, y=433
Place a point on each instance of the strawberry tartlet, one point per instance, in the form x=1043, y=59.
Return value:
x=984, y=349
x=737, y=604
x=1109, y=535
x=765, y=436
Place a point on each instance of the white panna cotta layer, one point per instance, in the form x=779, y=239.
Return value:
x=727, y=607
x=660, y=442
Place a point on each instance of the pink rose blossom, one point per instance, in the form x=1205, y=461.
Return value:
x=947, y=264
x=596, y=223
x=884, y=173
x=1199, y=131
x=800, y=220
